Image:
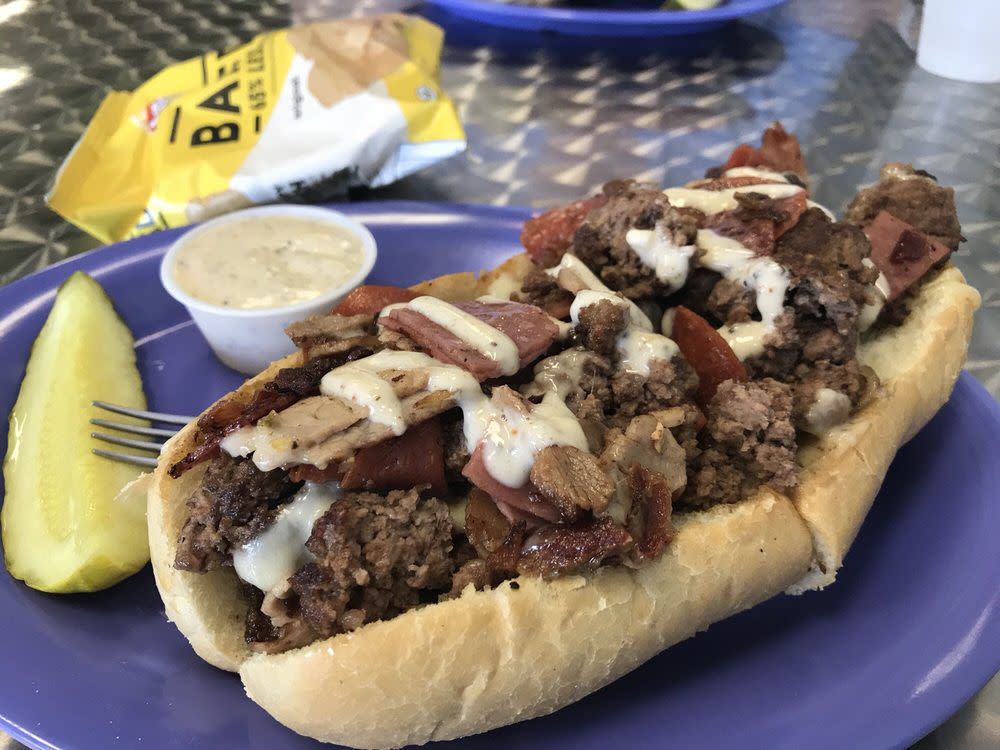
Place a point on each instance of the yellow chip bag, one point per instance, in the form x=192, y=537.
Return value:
x=300, y=114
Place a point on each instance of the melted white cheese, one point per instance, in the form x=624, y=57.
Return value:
x=669, y=261
x=267, y=560
x=761, y=275
x=764, y=174
x=869, y=312
x=829, y=408
x=637, y=349
x=745, y=339
x=589, y=281
x=716, y=201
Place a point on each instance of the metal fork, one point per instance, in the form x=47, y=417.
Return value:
x=152, y=432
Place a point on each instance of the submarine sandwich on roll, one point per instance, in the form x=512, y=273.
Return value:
x=475, y=501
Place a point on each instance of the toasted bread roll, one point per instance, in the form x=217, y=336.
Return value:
x=529, y=647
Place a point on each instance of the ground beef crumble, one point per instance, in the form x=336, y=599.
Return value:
x=600, y=240
x=748, y=441
x=234, y=502
x=376, y=556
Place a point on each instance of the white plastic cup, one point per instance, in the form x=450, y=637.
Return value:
x=248, y=340
x=958, y=40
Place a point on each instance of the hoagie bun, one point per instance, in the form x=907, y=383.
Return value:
x=461, y=547
x=474, y=663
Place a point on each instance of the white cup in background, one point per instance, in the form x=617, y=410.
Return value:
x=248, y=340
x=960, y=39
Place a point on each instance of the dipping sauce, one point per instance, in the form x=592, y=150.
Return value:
x=267, y=261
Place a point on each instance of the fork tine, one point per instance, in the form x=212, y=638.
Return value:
x=153, y=416
x=127, y=442
x=126, y=457
x=152, y=431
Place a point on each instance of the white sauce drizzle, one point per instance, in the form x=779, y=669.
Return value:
x=821, y=207
x=869, y=312
x=586, y=277
x=716, y=201
x=360, y=382
x=829, y=408
x=474, y=332
x=763, y=276
x=512, y=438
x=637, y=349
x=267, y=560
x=560, y=373
x=669, y=261
x=764, y=174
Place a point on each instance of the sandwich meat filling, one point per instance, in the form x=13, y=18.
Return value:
x=669, y=351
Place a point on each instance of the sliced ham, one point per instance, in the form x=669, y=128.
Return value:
x=512, y=501
x=901, y=253
x=528, y=326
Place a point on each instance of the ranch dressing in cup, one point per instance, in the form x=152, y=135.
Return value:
x=245, y=276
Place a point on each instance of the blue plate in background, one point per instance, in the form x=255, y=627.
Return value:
x=591, y=22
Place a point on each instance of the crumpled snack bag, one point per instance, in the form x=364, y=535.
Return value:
x=295, y=115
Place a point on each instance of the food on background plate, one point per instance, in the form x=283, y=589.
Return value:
x=298, y=115
x=475, y=501
x=245, y=276
x=73, y=521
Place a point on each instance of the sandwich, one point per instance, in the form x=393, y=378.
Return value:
x=472, y=502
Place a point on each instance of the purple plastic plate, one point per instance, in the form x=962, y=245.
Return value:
x=909, y=631
x=618, y=19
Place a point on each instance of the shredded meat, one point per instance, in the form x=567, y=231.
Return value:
x=324, y=335
x=572, y=480
x=234, y=502
x=652, y=506
x=375, y=557
x=749, y=441
x=913, y=196
x=291, y=384
x=600, y=240
x=475, y=573
x=600, y=325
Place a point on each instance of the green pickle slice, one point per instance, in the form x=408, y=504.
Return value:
x=69, y=522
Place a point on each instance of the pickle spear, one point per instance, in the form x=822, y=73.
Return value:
x=67, y=526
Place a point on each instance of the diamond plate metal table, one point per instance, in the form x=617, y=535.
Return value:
x=549, y=119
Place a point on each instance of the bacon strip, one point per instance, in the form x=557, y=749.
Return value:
x=901, y=253
x=528, y=326
x=779, y=150
x=547, y=236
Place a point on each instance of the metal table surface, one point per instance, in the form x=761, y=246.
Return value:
x=549, y=119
